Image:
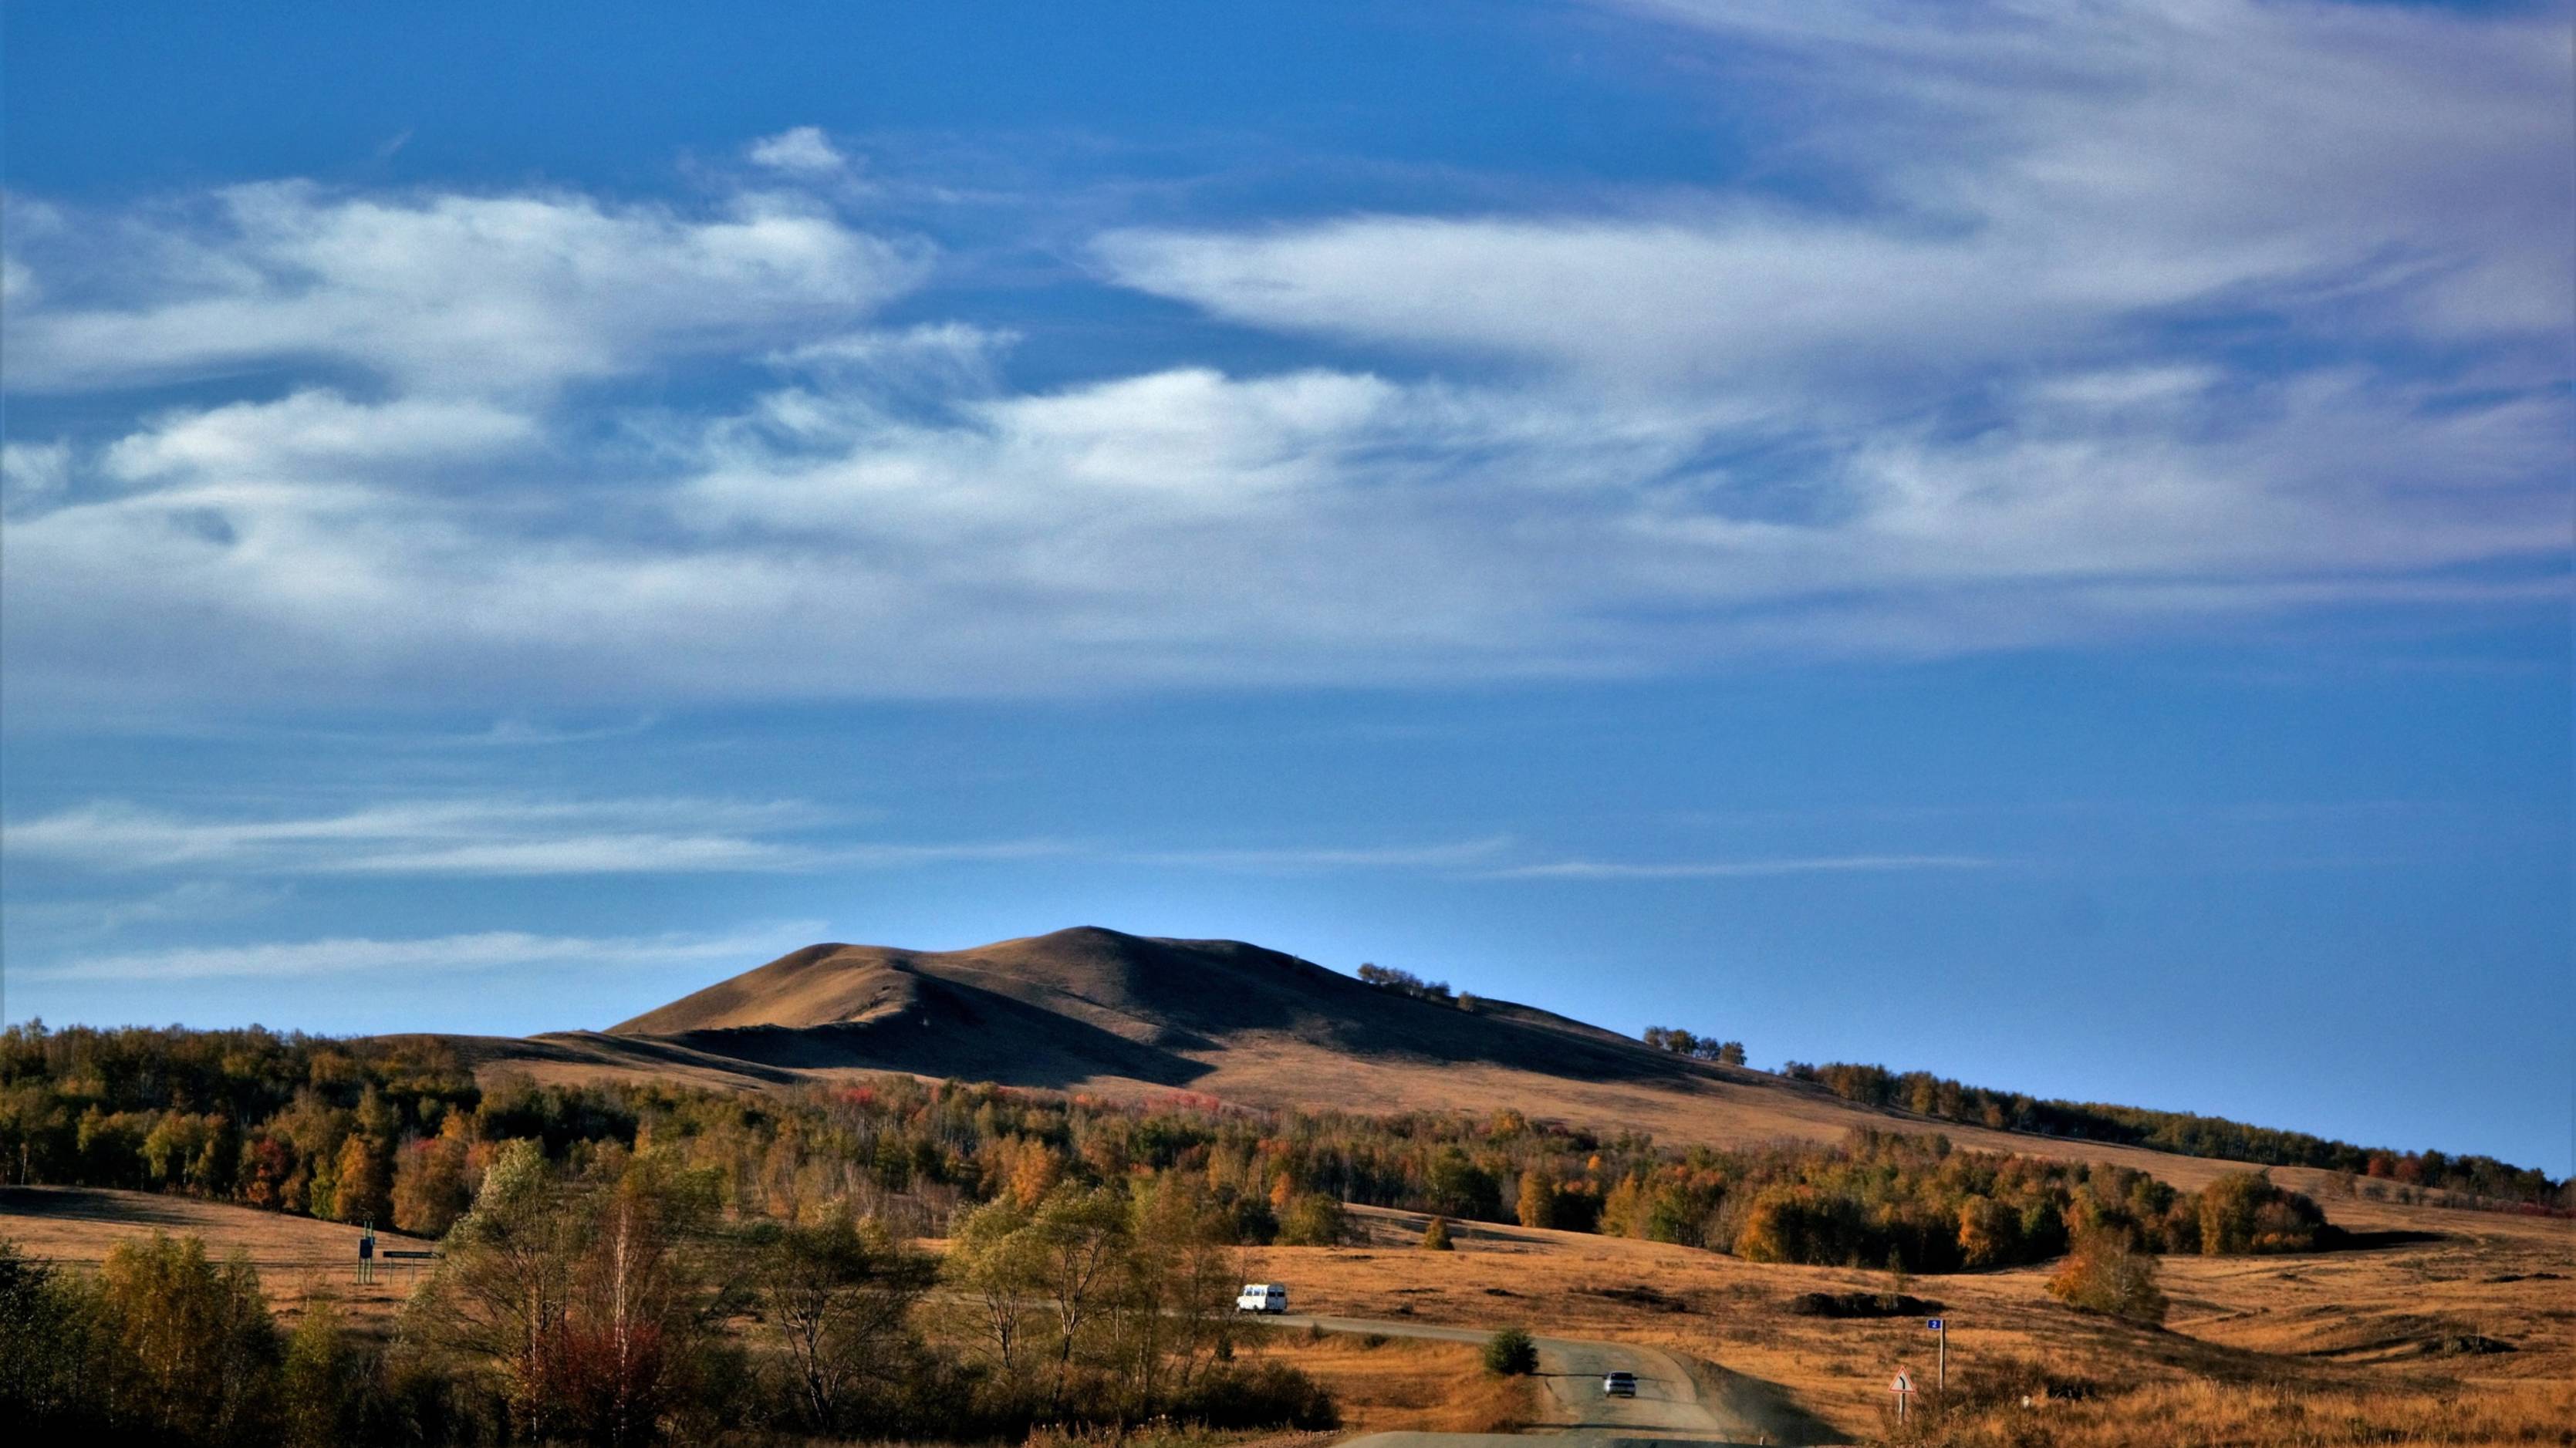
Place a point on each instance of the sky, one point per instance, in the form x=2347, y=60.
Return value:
x=2029, y=541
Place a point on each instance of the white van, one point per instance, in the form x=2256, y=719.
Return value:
x=1261, y=1297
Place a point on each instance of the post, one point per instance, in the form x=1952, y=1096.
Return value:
x=1941, y=1336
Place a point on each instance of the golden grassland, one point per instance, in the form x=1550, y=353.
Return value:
x=2399, y=1343
x=1392, y=1384
x=295, y=1256
x=2383, y=1329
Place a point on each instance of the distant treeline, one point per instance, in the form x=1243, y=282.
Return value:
x=396, y=1131
x=2182, y=1133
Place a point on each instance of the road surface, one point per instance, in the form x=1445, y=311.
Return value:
x=1670, y=1405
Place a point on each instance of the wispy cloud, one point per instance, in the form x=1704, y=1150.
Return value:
x=189, y=902
x=445, y=837
x=1301, y=860
x=1742, y=869
x=510, y=836
x=439, y=955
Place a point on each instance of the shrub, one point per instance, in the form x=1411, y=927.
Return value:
x=1313, y=1220
x=1260, y=1395
x=1435, y=1238
x=1510, y=1353
x=2106, y=1273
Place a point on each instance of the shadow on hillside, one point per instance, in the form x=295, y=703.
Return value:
x=956, y=1030
x=82, y=1204
x=2340, y=1239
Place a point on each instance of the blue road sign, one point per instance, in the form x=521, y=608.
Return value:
x=1934, y=1324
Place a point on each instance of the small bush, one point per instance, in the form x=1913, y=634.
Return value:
x=2106, y=1273
x=1261, y=1395
x=1510, y=1353
x=1435, y=1238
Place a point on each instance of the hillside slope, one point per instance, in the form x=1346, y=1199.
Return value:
x=1119, y=1015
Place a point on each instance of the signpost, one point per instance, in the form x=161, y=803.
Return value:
x=1903, y=1387
x=1941, y=1330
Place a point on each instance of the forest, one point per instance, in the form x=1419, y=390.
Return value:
x=394, y=1131
x=2461, y=1180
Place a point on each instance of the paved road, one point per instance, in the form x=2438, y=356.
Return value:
x=1669, y=1406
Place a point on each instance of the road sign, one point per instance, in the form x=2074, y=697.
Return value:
x=1933, y=1323
x=1903, y=1384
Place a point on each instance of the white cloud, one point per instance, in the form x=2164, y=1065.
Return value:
x=440, y=955
x=1292, y=860
x=317, y=429
x=439, y=292
x=804, y=149
x=2024, y=381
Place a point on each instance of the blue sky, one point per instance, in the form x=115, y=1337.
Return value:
x=2019, y=540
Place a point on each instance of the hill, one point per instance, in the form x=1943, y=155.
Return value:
x=1125, y=1016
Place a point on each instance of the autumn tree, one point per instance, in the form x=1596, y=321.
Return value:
x=432, y=1186
x=1435, y=1237
x=363, y=1189
x=2244, y=1212
x=1537, y=1206
x=2106, y=1273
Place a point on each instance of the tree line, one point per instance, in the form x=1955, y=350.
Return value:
x=395, y=1132
x=1698, y=1048
x=2479, y=1177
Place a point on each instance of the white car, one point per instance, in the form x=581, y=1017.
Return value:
x=1619, y=1385
x=1261, y=1297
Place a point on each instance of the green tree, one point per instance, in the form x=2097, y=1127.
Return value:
x=838, y=1296
x=1313, y=1220
x=194, y=1343
x=1435, y=1237
x=993, y=1262
x=499, y=1298
x=1511, y=1353
x=322, y=1381
x=52, y=1349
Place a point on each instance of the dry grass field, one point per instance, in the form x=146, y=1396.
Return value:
x=295, y=1256
x=1395, y=1384
x=2464, y=1334
x=2379, y=1328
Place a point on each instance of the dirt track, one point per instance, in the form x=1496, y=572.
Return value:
x=1673, y=1403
